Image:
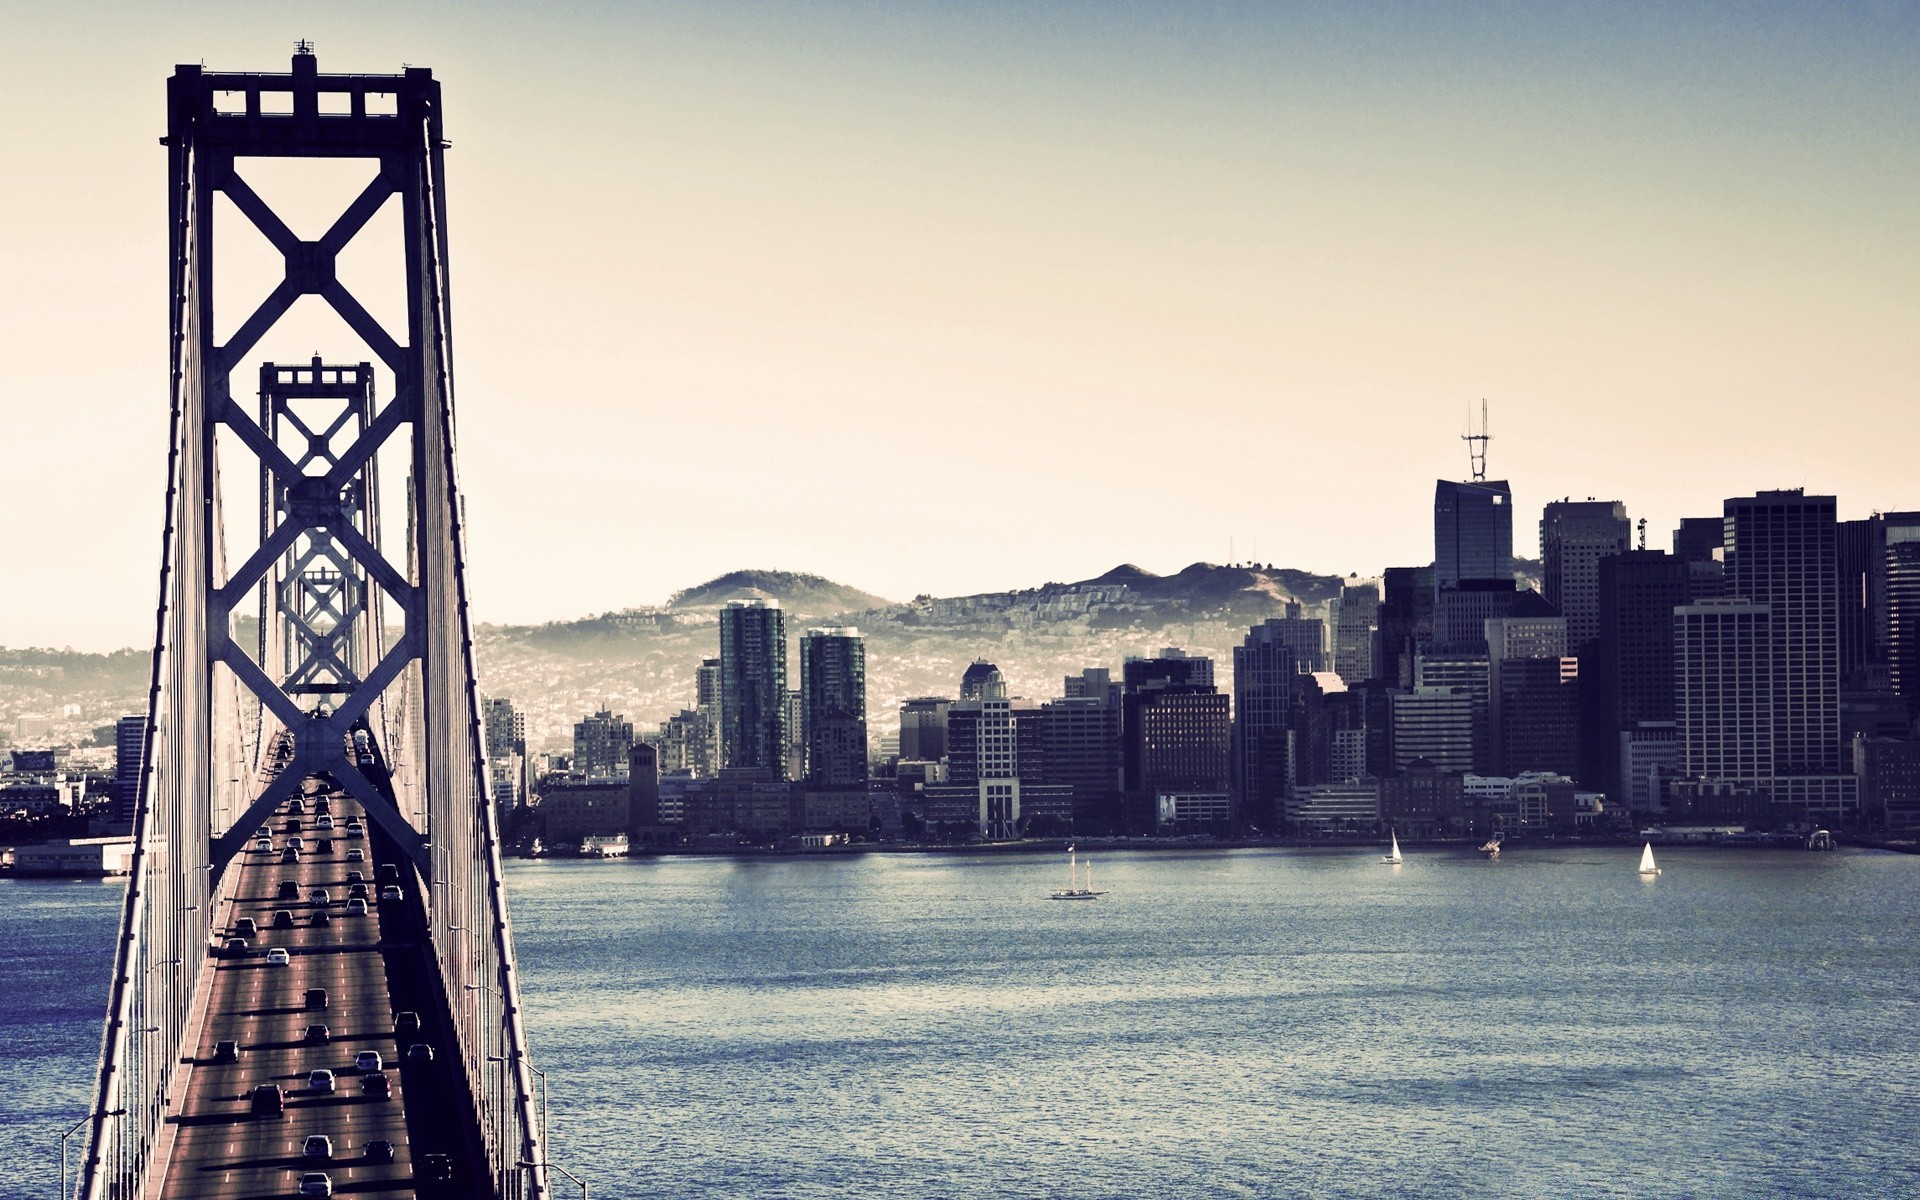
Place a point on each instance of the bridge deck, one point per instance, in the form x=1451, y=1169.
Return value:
x=372, y=967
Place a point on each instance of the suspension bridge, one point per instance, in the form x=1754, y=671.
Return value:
x=314, y=984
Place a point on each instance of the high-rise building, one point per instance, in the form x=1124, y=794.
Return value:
x=684, y=745
x=1266, y=678
x=1406, y=623
x=506, y=727
x=1538, y=710
x=1627, y=674
x=1724, y=684
x=1780, y=552
x=996, y=766
x=1532, y=632
x=1901, y=607
x=600, y=745
x=1699, y=543
x=1094, y=683
x=1465, y=673
x=833, y=708
x=1356, y=627
x=753, y=687
x=1080, y=744
x=1574, y=536
x=707, y=692
x=1472, y=532
x=129, y=751
x=1305, y=636
x=1434, y=725
x=923, y=728
x=1176, y=733
x=1460, y=614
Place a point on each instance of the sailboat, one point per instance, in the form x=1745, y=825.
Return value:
x=1074, y=889
x=1492, y=847
x=1647, y=869
x=1393, y=857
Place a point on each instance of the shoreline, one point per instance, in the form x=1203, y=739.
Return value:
x=1164, y=845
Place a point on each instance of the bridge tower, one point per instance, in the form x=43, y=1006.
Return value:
x=360, y=669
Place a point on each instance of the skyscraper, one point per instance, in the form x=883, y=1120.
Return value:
x=1902, y=607
x=1724, y=679
x=753, y=687
x=833, y=688
x=1080, y=742
x=1699, y=542
x=1574, y=536
x=1781, y=552
x=1472, y=532
x=1466, y=674
x=1627, y=674
x=1266, y=676
x=129, y=750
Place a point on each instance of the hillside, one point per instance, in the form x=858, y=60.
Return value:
x=800, y=594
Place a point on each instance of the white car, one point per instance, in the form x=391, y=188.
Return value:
x=318, y=1145
x=278, y=957
x=356, y=907
x=263, y=844
x=316, y=1183
x=367, y=1062
x=356, y=855
x=325, y=822
x=320, y=1080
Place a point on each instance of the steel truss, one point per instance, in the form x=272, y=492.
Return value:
x=231, y=734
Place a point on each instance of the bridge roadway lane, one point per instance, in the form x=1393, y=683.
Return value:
x=371, y=966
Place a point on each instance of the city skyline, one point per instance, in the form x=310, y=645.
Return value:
x=1299, y=245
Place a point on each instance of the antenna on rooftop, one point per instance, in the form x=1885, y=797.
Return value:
x=1643, y=533
x=1477, y=443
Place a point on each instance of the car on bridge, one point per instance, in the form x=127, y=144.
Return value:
x=236, y=948
x=321, y=1080
x=245, y=927
x=289, y=889
x=316, y=1183
x=419, y=1054
x=277, y=956
x=379, y=1086
x=296, y=805
x=289, y=855
x=267, y=1100
x=226, y=1052
x=406, y=1024
x=389, y=894
x=317, y=1145
x=283, y=918
x=356, y=854
x=379, y=1150
x=367, y=1062
x=315, y=998
x=317, y=1034
x=356, y=907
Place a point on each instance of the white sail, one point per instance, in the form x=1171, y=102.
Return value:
x=1646, y=861
x=1394, y=854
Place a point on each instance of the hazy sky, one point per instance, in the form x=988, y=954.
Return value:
x=950, y=298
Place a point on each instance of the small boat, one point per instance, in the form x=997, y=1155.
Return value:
x=1492, y=847
x=1393, y=857
x=1074, y=889
x=1647, y=868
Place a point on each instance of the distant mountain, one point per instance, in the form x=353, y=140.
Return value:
x=800, y=594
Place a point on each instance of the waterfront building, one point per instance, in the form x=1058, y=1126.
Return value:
x=1574, y=536
x=753, y=688
x=996, y=782
x=573, y=809
x=833, y=687
x=1422, y=801
x=1327, y=809
x=1889, y=774
x=1080, y=742
x=1901, y=607
x=1537, y=714
x=1649, y=756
